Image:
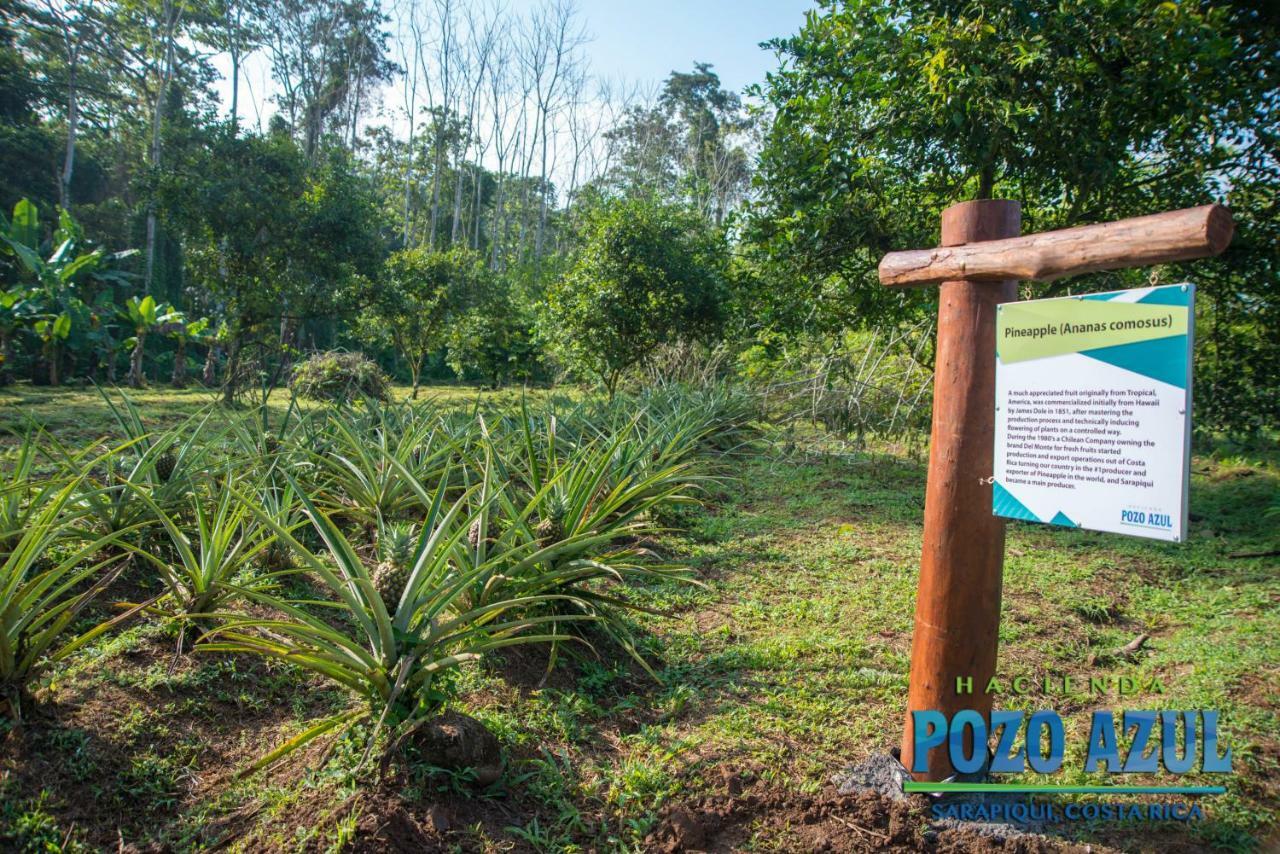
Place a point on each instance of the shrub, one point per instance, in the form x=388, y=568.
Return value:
x=647, y=274
x=339, y=378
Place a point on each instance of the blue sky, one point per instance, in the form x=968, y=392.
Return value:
x=645, y=41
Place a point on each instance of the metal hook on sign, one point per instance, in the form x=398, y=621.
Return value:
x=987, y=481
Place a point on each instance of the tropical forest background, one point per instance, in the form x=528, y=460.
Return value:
x=452, y=190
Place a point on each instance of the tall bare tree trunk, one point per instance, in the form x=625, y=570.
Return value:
x=435, y=189
x=456, y=228
x=233, y=41
x=172, y=16
x=73, y=123
x=475, y=208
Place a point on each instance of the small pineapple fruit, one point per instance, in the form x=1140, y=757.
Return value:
x=492, y=531
x=473, y=534
x=166, y=463
x=551, y=528
x=277, y=557
x=395, y=550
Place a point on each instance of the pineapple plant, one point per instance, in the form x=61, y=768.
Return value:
x=395, y=553
x=402, y=664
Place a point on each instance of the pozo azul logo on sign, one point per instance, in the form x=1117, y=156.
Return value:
x=1186, y=739
x=1176, y=742
x=1143, y=519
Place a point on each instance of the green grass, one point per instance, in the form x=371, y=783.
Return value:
x=791, y=663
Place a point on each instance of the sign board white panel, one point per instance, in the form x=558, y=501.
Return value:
x=1093, y=411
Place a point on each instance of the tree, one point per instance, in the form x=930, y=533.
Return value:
x=235, y=27
x=419, y=292
x=326, y=55
x=886, y=111
x=277, y=245
x=15, y=303
x=647, y=273
x=688, y=146
x=494, y=334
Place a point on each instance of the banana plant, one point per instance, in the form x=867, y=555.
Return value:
x=52, y=331
x=182, y=332
x=144, y=315
x=56, y=280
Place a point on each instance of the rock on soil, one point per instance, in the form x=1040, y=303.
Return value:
x=881, y=773
x=456, y=741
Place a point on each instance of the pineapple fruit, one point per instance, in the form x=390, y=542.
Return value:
x=117, y=472
x=166, y=463
x=551, y=528
x=473, y=534
x=492, y=533
x=277, y=557
x=395, y=551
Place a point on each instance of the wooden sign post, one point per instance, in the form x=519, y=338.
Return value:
x=978, y=265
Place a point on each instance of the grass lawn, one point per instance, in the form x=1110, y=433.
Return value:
x=789, y=663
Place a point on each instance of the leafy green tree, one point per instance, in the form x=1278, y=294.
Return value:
x=276, y=244
x=27, y=145
x=494, y=335
x=418, y=294
x=886, y=111
x=689, y=146
x=15, y=303
x=327, y=55
x=647, y=273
